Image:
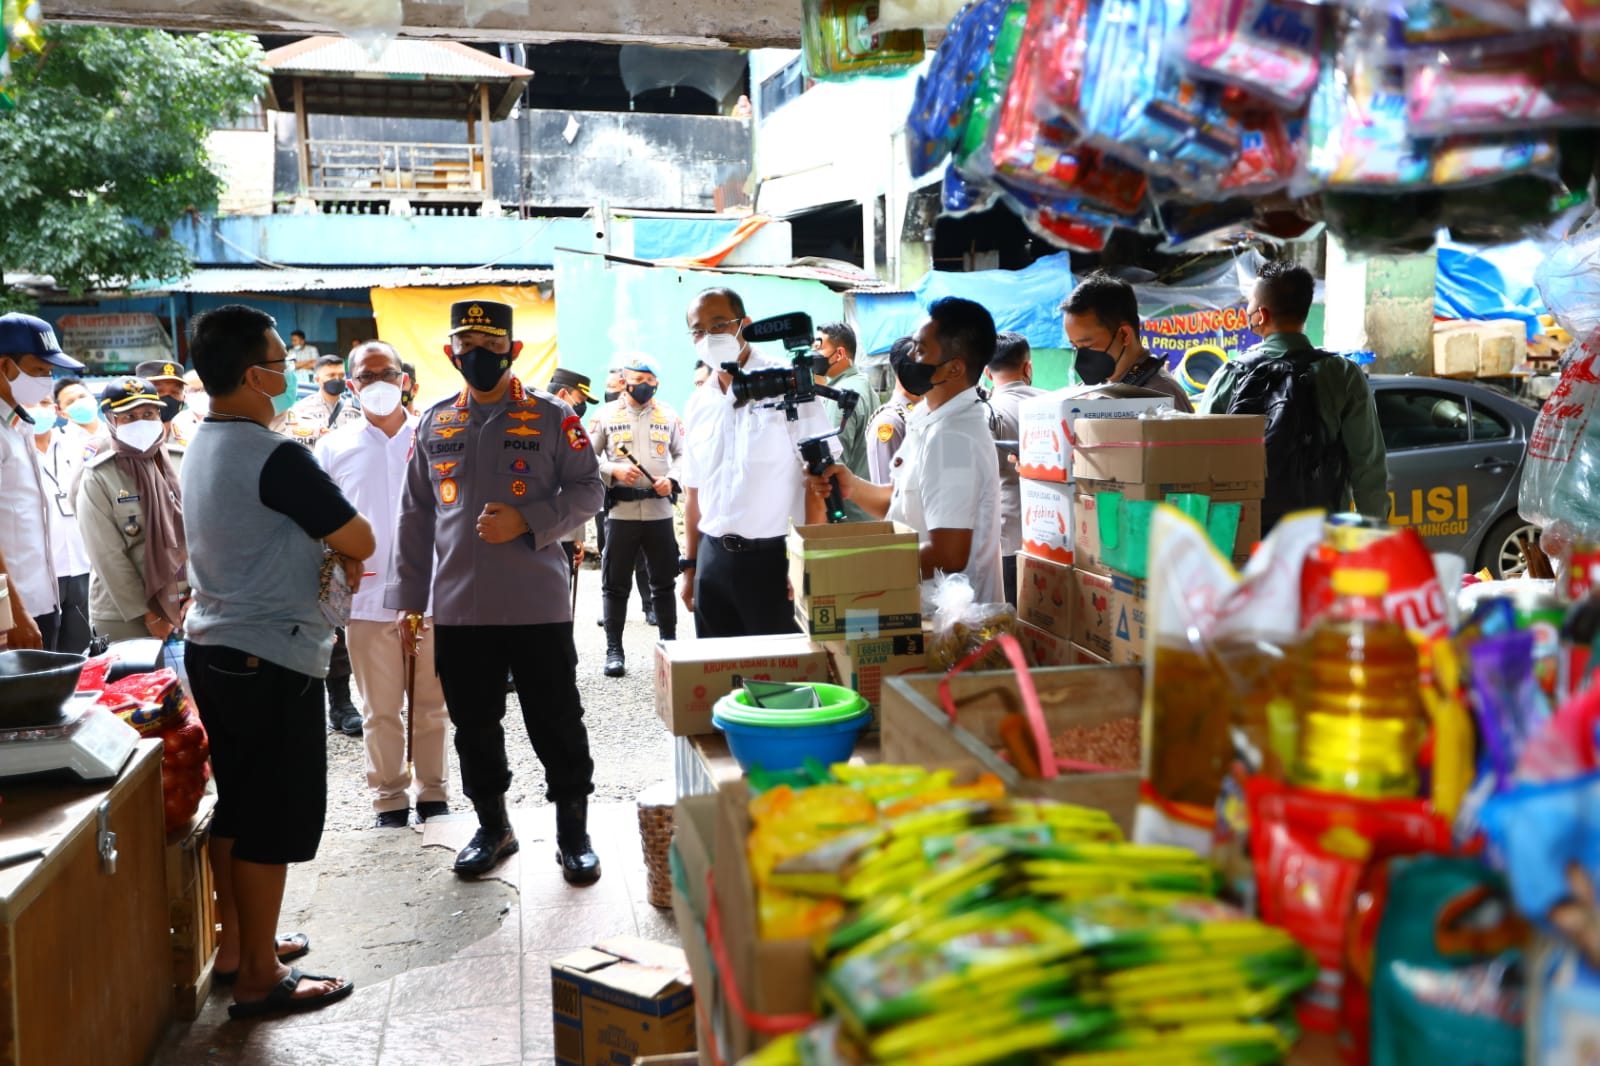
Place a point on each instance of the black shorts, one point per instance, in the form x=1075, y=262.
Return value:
x=269, y=752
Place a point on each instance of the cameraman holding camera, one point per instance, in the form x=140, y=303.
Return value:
x=742, y=482
x=639, y=440
x=945, y=483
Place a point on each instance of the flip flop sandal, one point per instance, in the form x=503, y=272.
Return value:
x=282, y=1000
x=301, y=945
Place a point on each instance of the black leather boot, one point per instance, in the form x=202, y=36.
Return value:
x=342, y=713
x=493, y=841
x=616, y=662
x=579, y=864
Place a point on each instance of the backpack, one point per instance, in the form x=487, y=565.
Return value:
x=1307, y=466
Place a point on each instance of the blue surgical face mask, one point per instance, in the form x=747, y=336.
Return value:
x=83, y=410
x=291, y=389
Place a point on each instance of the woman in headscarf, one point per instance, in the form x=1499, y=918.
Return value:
x=130, y=510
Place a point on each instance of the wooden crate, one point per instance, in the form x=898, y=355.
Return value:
x=192, y=911
x=917, y=730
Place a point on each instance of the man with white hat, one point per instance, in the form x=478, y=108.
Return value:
x=28, y=356
x=639, y=440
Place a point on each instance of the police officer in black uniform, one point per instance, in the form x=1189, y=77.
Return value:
x=499, y=475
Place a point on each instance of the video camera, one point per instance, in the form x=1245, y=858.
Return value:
x=791, y=387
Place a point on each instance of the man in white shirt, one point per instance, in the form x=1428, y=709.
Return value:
x=368, y=461
x=1011, y=370
x=945, y=478
x=28, y=355
x=305, y=355
x=61, y=457
x=743, y=484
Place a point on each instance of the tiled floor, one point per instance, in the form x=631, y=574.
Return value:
x=488, y=1005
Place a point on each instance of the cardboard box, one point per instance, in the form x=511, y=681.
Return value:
x=1091, y=626
x=1084, y=657
x=864, y=664
x=1047, y=598
x=692, y=675
x=916, y=729
x=773, y=976
x=1130, y=600
x=1047, y=525
x=694, y=835
x=850, y=557
x=1089, y=554
x=861, y=615
x=1484, y=349
x=1188, y=449
x=1044, y=648
x=619, y=1000
x=1047, y=425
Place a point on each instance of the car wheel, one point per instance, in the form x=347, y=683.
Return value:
x=1503, y=553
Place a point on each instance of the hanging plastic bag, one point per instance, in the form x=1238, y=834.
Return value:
x=1560, y=490
x=945, y=92
x=1268, y=47
x=1537, y=88
x=1569, y=280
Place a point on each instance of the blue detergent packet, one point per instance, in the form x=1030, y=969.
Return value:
x=943, y=100
x=1546, y=837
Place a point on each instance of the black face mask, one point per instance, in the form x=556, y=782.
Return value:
x=579, y=407
x=642, y=393
x=916, y=378
x=611, y=395
x=333, y=386
x=482, y=368
x=1094, y=366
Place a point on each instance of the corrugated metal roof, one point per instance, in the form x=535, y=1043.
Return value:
x=224, y=280
x=399, y=58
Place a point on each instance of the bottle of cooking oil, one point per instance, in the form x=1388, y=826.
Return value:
x=1358, y=698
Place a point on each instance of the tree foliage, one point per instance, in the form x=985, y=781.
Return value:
x=107, y=148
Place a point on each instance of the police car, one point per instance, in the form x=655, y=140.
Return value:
x=1456, y=452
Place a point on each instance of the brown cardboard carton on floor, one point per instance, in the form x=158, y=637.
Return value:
x=619, y=1000
x=1181, y=450
x=1047, y=425
x=1091, y=626
x=694, y=833
x=1129, y=619
x=1043, y=648
x=1047, y=598
x=692, y=675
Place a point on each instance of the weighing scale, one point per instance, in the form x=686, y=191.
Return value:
x=86, y=742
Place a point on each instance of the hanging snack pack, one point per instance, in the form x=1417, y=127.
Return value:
x=944, y=102
x=1268, y=47
x=839, y=45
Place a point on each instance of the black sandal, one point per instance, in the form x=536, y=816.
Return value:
x=302, y=945
x=282, y=1000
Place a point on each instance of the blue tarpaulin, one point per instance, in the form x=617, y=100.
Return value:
x=1484, y=283
x=672, y=238
x=1026, y=301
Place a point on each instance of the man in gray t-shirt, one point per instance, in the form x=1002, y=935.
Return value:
x=258, y=511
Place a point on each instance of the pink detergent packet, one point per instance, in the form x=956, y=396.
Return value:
x=1534, y=89
x=1269, y=47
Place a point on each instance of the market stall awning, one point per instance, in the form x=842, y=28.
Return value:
x=220, y=280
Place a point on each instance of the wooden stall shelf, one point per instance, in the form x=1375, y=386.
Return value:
x=192, y=911
x=82, y=981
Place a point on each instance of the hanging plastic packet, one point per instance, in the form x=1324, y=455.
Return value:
x=1560, y=488
x=839, y=46
x=977, y=135
x=945, y=91
x=1027, y=150
x=1514, y=92
x=1507, y=704
x=1421, y=23
x=1269, y=47
x=959, y=196
x=1267, y=159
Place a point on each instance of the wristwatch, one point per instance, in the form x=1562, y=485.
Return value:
x=685, y=564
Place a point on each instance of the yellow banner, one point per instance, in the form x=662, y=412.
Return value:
x=417, y=323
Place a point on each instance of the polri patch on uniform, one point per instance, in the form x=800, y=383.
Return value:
x=886, y=433
x=449, y=491
x=445, y=468
x=661, y=449
x=521, y=431
x=519, y=488
x=577, y=439
x=124, y=496
x=519, y=465
x=448, y=431
x=525, y=416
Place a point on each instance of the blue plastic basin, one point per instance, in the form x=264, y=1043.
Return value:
x=778, y=748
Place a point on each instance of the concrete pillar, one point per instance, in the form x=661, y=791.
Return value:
x=1383, y=303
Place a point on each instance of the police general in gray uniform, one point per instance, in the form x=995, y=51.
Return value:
x=499, y=474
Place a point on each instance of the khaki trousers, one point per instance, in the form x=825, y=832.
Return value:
x=379, y=670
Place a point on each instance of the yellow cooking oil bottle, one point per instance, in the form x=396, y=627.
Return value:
x=1357, y=697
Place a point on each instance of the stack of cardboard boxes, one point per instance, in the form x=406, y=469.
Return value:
x=859, y=608
x=1093, y=470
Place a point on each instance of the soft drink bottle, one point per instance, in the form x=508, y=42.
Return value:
x=1358, y=696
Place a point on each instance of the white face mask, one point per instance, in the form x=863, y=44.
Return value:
x=140, y=435
x=199, y=403
x=714, y=349
x=44, y=418
x=380, y=398
x=29, y=391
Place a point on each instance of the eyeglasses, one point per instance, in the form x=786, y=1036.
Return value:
x=388, y=377
x=269, y=362
x=718, y=325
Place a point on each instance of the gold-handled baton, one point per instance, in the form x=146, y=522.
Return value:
x=414, y=635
